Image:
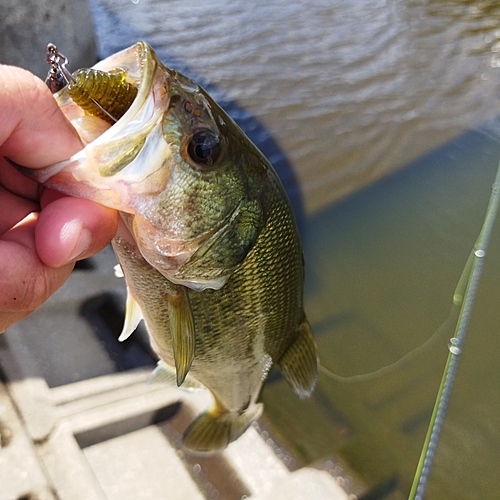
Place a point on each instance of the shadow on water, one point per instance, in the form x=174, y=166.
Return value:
x=436, y=196
x=114, y=35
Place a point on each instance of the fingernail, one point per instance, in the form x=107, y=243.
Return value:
x=81, y=236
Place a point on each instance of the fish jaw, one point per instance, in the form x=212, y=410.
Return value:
x=193, y=220
x=126, y=159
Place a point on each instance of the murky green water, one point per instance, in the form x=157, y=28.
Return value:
x=339, y=94
x=383, y=266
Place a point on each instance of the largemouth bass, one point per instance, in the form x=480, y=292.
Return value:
x=207, y=242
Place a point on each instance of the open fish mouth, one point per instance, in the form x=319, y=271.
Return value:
x=117, y=156
x=172, y=163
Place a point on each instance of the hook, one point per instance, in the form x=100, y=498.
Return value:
x=58, y=76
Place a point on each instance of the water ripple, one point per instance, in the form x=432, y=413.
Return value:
x=350, y=90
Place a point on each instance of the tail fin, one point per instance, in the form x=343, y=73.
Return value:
x=213, y=430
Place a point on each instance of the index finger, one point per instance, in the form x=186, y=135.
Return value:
x=33, y=131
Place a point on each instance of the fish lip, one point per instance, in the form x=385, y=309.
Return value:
x=92, y=167
x=140, y=63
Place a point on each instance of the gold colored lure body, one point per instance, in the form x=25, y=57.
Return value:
x=111, y=91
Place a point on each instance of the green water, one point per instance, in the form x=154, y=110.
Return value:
x=382, y=268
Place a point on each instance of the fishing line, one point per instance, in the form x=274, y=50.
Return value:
x=455, y=346
x=405, y=359
x=463, y=300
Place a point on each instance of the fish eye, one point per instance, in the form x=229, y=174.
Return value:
x=204, y=148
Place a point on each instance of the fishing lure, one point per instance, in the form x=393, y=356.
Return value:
x=102, y=94
x=107, y=95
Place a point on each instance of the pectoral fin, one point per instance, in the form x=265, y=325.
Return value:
x=133, y=316
x=165, y=374
x=299, y=363
x=182, y=331
x=213, y=430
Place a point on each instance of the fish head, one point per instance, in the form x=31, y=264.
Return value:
x=189, y=184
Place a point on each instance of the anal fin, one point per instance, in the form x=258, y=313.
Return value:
x=299, y=363
x=166, y=374
x=182, y=331
x=213, y=430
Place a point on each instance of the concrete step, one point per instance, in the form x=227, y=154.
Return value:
x=114, y=437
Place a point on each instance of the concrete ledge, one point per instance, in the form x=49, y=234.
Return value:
x=20, y=471
x=305, y=483
x=114, y=437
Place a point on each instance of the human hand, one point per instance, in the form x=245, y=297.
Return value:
x=42, y=233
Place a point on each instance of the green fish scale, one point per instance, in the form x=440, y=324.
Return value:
x=261, y=304
x=262, y=298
